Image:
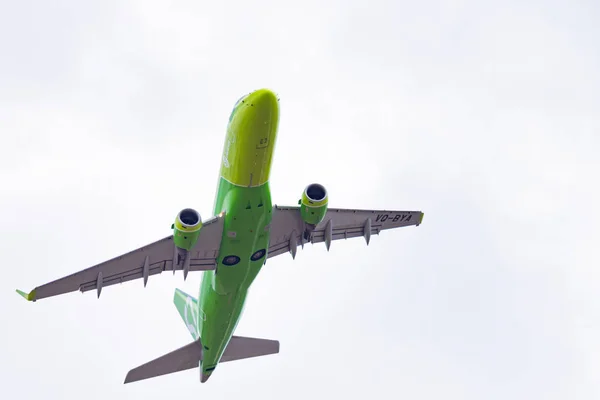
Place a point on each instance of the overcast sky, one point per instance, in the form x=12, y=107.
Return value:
x=482, y=114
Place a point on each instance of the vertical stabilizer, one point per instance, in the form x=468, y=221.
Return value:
x=188, y=309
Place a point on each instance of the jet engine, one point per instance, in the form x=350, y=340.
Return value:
x=313, y=205
x=186, y=229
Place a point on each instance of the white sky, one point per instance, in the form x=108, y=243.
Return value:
x=484, y=115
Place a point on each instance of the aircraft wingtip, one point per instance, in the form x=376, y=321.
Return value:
x=27, y=296
x=127, y=378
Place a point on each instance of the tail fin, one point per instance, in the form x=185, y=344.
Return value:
x=189, y=356
x=188, y=309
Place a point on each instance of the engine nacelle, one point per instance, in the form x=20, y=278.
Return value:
x=313, y=205
x=186, y=228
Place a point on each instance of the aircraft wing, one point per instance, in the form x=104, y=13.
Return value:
x=151, y=259
x=287, y=226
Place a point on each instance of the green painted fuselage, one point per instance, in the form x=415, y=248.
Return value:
x=244, y=196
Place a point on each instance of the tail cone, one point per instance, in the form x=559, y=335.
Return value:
x=204, y=376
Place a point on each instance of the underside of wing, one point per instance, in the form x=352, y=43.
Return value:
x=289, y=230
x=152, y=259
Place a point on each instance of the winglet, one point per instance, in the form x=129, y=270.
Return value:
x=421, y=220
x=27, y=296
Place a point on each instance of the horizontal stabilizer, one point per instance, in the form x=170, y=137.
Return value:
x=189, y=356
x=184, y=358
x=240, y=347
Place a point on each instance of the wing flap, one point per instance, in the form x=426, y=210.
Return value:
x=126, y=276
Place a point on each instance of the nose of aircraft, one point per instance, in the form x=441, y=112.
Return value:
x=263, y=99
x=251, y=135
x=262, y=103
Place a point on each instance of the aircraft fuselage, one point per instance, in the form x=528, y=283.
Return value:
x=244, y=196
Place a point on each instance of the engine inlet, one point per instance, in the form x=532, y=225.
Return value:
x=189, y=217
x=316, y=192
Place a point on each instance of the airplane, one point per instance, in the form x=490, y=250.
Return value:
x=232, y=246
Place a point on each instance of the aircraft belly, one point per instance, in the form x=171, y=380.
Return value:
x=222, y=316
x=241, y=257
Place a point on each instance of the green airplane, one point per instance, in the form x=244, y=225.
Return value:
x=232, y=246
